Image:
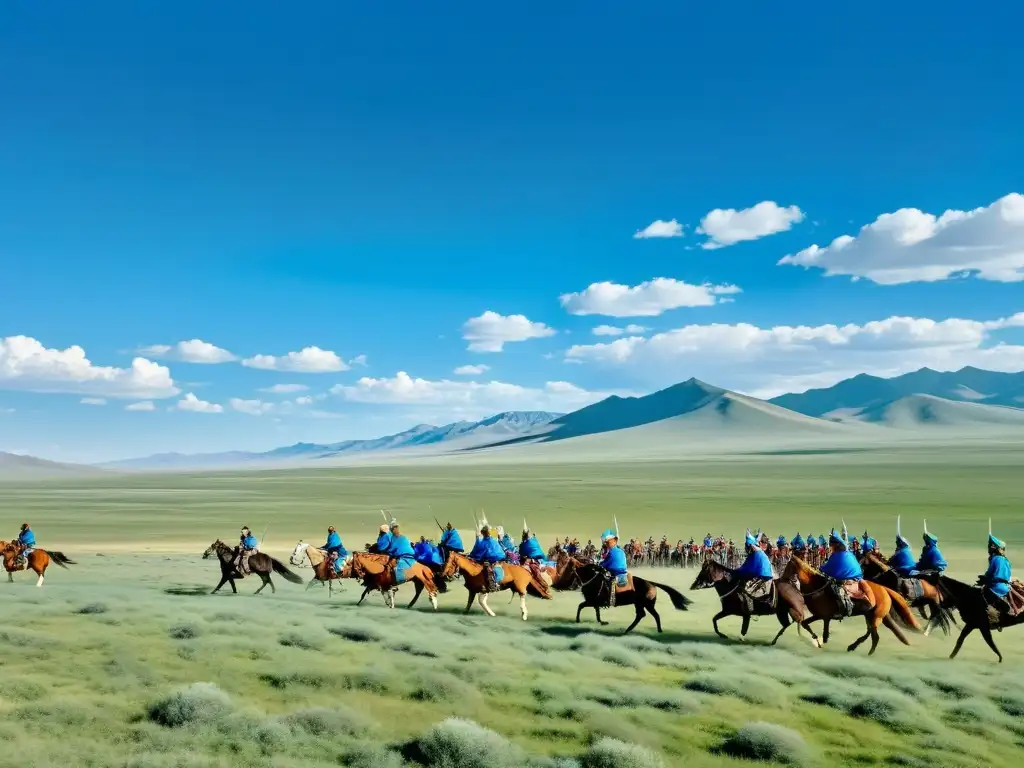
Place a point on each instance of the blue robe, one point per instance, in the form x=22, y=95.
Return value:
x=507, y=544
x=334, y=544
x=842, y=566
x=428, y=554
x=997, y=577
x=487, y=550
x=531, y=549
x=902, y=561
x=27, y=538
x=931, y=559
x=384, y=543
x=708, y=543
x=756, y=566
x=614, y=561
x=401, y=549
x=451, y=540
x=250, y=542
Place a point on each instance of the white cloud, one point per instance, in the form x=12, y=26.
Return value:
x=358, y=360
x=252, y=407
x=25, y=364
x=467, y=398
x=660, y=228
x=648, y=299
x=490, y=331
x=283, y=389
x=307, y=360
x=305, y=400
x=611, y=330
x=768, y=361
x=93, y=401
x=727, y=226
x=471, y=370
x=913, y=246
x=192, y=403
x=191, y=351
x=145, y=405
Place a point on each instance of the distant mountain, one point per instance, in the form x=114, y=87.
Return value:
x=17, y=467
x=501, y=426
x=969, y=385
x=916, y=411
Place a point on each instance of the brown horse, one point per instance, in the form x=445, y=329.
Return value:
x=378, y=572
x=640, y=593
x=816, y=589
x=789, y=603
x=514, y=577
x=260, y=564
x=974, y=611
x=878, y=571
x=38, y=560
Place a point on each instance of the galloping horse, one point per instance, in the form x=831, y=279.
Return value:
x=789, y=603
x=816, y=589
x=38, y=560
x=974, y=611
x=378, y=572
x=260, y=564
x=878, y=571
x=641, y=593
x=514, y=577
x=317, y=559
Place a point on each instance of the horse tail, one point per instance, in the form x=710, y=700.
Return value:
x=537, y=589
x=281, y=570
x=894, y=628
x=901, y=609
x=679, y=601
x=61, y=559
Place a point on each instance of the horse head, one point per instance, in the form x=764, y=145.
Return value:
x=451, y=566
x=298, y=553
x=215, y=549
x=710, y=574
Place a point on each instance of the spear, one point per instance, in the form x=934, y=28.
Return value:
x=264, y=533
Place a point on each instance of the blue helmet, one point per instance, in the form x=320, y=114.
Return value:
x=781, y=541
x=750, y=541
x=901, y=543
x=993, y=542
x=836, y=540
x=928, y=538
x=608, y=534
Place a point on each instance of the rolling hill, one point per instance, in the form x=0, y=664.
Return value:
x=15, y=466
x=864, y=391
x=917, y=411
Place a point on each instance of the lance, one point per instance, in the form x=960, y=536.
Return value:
x=264, y=533
x=439, y=524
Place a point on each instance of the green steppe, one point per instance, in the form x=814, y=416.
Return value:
x=124, y=660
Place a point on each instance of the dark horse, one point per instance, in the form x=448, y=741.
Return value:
x=974, y=612
x=640, y=593
x=260, y=564
x=926, y=596
x=789, y=605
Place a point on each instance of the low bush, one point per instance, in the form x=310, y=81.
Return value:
x=198, y=704
x=609, y=753
x=458, y=743
x=767, y=742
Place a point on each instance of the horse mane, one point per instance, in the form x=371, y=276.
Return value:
x=803, y=565
x=874, y=558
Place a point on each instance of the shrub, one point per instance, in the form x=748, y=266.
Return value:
x=199, y=703
x=92, y=608
x=295, y=640
x=753, y=689
x=184, y=632
x=609, y=753
x=373, y=757
x=647, y=696
x=1011, y=705
x=458, y=743
x=326, y=722
x=356, y=634
x=767, y=742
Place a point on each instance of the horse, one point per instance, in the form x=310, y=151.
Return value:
x=379, y=572
x=641, y=593
x=260, y=564
x=38, y=560
x=974, y=612
x=317, y=560
x=878, y=571
x=789, y=603
x=824, y=605
x=513, y=577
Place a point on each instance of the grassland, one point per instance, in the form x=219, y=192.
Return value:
x=125, y=661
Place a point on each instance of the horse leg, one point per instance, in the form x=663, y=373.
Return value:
x=39, y=581
x=640, y=613
x=714, y=622
x=871, y=632
x=366, y=591
x=986, y=632
x=469, y=604
x=824, y=633
x=482, y=599
x=654, y=613
x=782, y=631
x=10, y=576
x=960, y=640
x=579, y=610
x=745, y=627
x=418, y=586
x=266, y=580
x=522, y=604
x=234, y=589
x=806, y=624
x=597, y=613
x=223, y=581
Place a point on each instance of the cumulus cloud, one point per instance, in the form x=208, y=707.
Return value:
x=307, y=360
x=471, y=370
x=191, y=351
x=251, y=407
x=490, y=332
x=193, y=404
x=467, y=398
x=910, y=245
x=648, y=299
x=660, y=228
x=611, y=330
x=284, y=389
x=769, y=361
x=25, y=364
x=93, y=401
x=145, y=405
x=727, y=226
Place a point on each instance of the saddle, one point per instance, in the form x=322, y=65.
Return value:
x=911, y=589
x=613, y=586
x=492, y=577
x=1015, y=598
x=852, y=594
x=758, y=592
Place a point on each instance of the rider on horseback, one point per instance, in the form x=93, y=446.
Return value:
x=614, y=564
x=487, y=552
x=335, y=549
x=27, y=542
x=400, y=550
x=451, y=540
x=247, y=547
x=756, y=574
x=902, y=560
x=868, y=544
x=530, y=552
x=996, y=580
x=932, y=562
x=844, y=570
x=799, y=547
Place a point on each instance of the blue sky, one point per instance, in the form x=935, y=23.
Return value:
x=366, y=180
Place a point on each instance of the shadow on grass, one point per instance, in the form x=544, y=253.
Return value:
x=186, y=591
x=665, y=638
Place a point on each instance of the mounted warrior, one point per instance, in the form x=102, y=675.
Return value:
x=757, y=574
x=847, y=577
x=488, y=552
x=530, y=552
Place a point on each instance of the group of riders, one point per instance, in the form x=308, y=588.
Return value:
x=843, y=568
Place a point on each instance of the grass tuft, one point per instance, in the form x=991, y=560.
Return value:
x=356, y=634
x=199, y=703
x=321, y=722
x=768, y=743
x=183, y=632
x=458, y=743
x=296, y=640
x=92, y=608
x=748, y=688
x=609, y=753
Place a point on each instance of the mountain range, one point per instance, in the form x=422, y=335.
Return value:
x=688, y=417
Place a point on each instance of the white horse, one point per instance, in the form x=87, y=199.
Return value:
x=307, y=556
